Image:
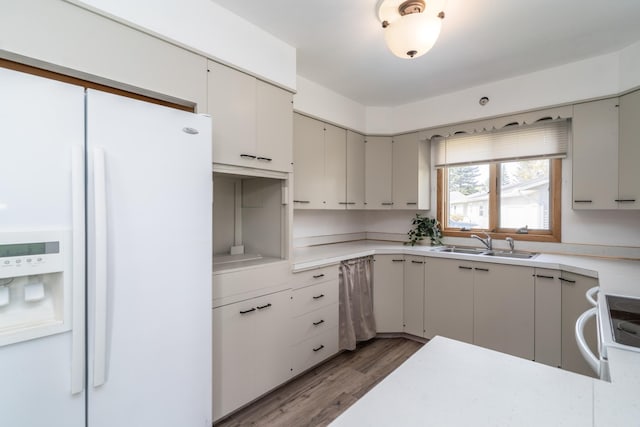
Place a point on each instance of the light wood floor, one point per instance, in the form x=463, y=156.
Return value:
x=317, y=397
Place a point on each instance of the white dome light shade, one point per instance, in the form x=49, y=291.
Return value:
x=412, y=35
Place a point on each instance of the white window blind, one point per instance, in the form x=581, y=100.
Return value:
x=543, y=139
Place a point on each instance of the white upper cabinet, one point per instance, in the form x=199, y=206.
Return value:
x=411, y=172
x=355, y=170
x=378, y=172
x=252, y=120
x=629, y=152
x=606, y=153
x=308, y=165
x=335, y=167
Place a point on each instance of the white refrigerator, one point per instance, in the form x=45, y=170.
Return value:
x=105, y=259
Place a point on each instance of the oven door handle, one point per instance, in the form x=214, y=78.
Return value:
x=586, y=352
x=591, y=295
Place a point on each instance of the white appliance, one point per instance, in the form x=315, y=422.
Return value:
x=105, y=266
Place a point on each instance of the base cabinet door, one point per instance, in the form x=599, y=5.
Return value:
x=548, y=314
x=574, y=303
x=504, y=308
x=448, y=299
x=388, y=279
x=413, y=306
x=250, y=350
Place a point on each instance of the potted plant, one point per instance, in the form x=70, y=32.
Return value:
x=424, y=227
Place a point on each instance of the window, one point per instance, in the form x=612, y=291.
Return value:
x=497, y=192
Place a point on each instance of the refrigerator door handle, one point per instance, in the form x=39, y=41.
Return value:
x=100, y=280
x=78, y=271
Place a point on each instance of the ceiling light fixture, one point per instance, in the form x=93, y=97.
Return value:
x=410, y=29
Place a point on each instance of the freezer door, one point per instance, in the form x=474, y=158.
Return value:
x=41, y=124
x=149, y=264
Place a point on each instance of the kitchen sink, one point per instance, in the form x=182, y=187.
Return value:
x=485, y=252
x=470, y=251
x=511, y=254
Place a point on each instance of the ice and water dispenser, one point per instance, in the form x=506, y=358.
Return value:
x=35, y=284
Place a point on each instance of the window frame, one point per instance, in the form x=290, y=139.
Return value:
x=555, y=202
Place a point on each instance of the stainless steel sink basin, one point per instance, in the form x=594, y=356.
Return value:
x=470, y=251
x=511, y=254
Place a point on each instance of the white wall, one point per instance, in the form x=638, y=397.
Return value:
x=312, y=223
x=320, y=102
x=210, y=29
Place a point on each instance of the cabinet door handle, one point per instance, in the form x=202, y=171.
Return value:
x=319, y=296
x=317, y=276
x=264, y=159
x=481, y=269
x=247, y=311
x=319, y=348
x=625, y=200
x=463, y=267
x=301, y=201
x=583, y=201
x=397, y=260
x=412, y=203
x=566, y=280
x=540, y=276
x=386, y=203
x=260, y=307
x=351, y=203
x=247, y=156
x=319, y=322
x=417, y=262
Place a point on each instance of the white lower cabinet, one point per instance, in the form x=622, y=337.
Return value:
x=388, y=291
x=250, y=350
x=503, y=308
x=448, y=299
x=548, y=314
x=413, y=305
x=574, y=303
x=314, y=326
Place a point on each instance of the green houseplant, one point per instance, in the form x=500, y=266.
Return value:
x=424, y=227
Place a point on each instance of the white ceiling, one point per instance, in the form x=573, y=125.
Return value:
x=340, y=44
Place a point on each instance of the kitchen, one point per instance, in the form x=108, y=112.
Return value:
x=81, y=43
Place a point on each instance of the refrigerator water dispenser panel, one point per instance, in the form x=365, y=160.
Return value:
x=35, y=284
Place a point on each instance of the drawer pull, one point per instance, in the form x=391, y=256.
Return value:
x=247, y=311
x=411, y=203
x=319, y=348
x=247, y=156
x=397, y=260
x=625, y=200
x=386, y=203
x=463, y=267
x=319, y=322
x=301, y=201
x=482, y=269
x=264, y=159
x=540, y=276
x=583, y=201
x=317, y=276
x=319, y=296
x=261, y=307
x=566, y=280
x=417, y=262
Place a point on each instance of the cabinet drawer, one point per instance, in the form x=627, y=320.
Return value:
x=314, y=297
x=314, y=323
x=249, y=283
x=317, y=275
x=314, y=350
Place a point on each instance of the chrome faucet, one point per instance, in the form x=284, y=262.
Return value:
x=487, y=242
x=511, y=242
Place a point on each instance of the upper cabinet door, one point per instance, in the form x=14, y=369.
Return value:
x=232, y=106
x=274, y=116
x=378, y=167
x=355, y=170
x=335, y=167
x=629, y=152
x=252, y=120
x=308, y=168
x=595, y=154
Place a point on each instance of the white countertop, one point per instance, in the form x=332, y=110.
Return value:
x=453, y=383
